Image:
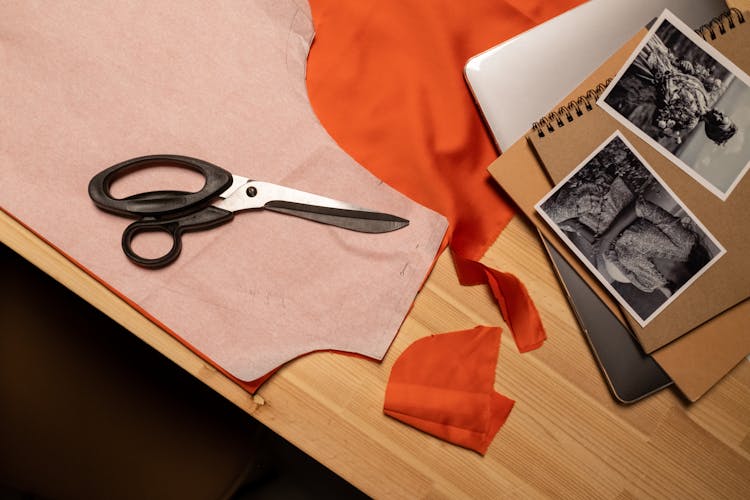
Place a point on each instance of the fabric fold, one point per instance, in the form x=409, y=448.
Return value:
x=444, y=385
x=512, y=298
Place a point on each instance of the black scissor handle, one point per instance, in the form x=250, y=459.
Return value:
x=205, y=218
x=157, y=203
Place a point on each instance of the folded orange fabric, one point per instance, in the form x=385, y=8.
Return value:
x=386, y=80
x=512, y=298
x=444, y=385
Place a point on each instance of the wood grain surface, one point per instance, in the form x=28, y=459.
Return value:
x=565, y=438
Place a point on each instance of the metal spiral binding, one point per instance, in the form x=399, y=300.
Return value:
x=567, y=113
x=720, y=24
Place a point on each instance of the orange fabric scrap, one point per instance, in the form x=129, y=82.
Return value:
x=444, y=385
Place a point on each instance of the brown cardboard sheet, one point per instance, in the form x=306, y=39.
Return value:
x=695, y=361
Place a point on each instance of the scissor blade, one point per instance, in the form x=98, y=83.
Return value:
x=363, y=221
x=237, y=182
x=264, y=195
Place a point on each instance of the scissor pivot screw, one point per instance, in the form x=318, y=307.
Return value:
x=251, y=191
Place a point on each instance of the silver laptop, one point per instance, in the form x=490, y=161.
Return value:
x=518, y=82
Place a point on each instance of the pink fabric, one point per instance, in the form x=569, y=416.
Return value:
x=88, y=84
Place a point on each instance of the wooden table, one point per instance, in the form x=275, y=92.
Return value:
x=565, y=438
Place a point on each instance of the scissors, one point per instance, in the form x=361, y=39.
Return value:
x=223, y=194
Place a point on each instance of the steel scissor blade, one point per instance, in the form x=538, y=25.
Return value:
x=363, y=221
x=264, y=195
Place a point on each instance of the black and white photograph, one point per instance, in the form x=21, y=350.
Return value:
x=629, y=228
x=688, y=101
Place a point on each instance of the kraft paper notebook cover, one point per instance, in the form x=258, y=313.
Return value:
x=695, y=361
x=727, y=281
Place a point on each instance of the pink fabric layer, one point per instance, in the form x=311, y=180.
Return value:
x=85, y=85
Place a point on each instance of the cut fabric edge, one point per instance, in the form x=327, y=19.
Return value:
x=250, y=386
x=500, y=408
x=448, y=396
x=511, y=296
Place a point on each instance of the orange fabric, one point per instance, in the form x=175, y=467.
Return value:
x=513, y=300
x=386, y=80
x=444, y=385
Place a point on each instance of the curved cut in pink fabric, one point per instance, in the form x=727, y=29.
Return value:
x=86, y=85
x=386, y=80
x=444, y=385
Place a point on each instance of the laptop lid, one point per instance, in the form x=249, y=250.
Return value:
x=520, y=80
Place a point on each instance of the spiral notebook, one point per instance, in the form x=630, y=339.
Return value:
x=719, y=221
x=508, y=80
x=715, y=344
